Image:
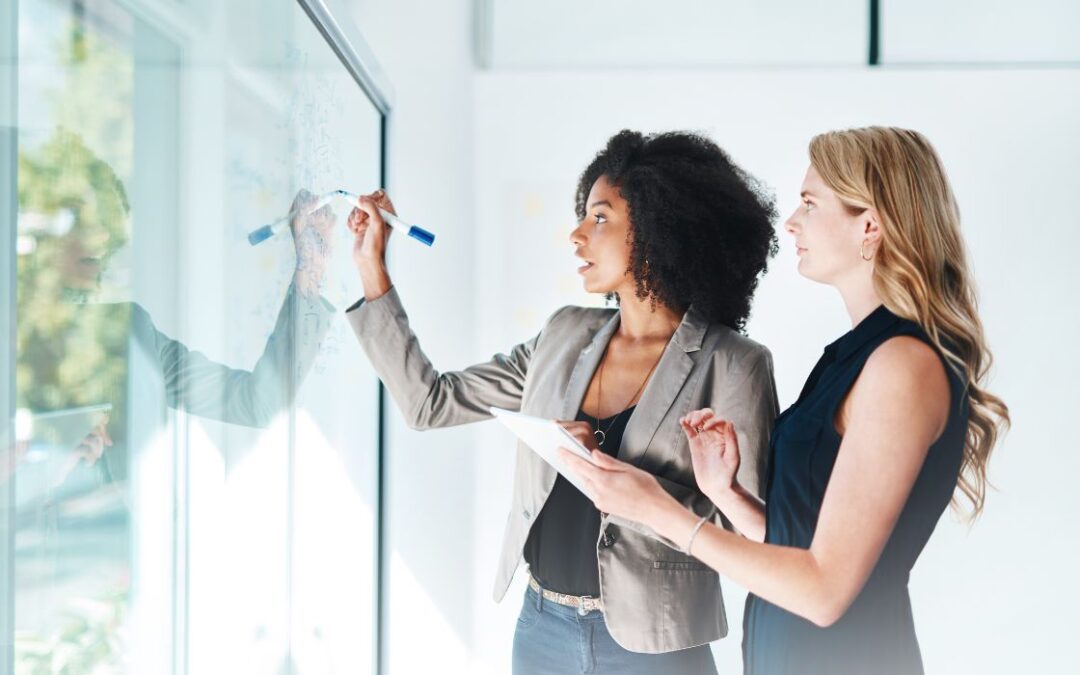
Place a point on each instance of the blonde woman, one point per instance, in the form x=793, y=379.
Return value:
x=892, y=423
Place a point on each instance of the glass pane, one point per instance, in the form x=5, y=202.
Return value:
x=196, y=429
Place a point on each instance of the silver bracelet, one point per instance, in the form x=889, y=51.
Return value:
x=693, y=534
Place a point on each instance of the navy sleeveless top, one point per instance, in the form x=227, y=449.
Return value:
x=876, y=634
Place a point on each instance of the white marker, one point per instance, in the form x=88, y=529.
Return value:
x=281, y=224
x=263, y=233
x=414, y=231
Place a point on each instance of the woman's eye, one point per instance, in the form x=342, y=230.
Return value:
x=600, y=219
x=809, y=204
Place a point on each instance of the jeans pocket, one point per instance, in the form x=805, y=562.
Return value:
x=530, y=614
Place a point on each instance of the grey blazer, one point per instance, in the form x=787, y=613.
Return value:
x=656, y=599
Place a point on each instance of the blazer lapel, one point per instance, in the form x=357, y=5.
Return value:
x=664, y=386
x=587, y=362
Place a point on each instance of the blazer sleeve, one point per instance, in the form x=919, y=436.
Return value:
x=427, y=398
x=751, y=406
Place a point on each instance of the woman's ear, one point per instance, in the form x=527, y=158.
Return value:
x=871, y=227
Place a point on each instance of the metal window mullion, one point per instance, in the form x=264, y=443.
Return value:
x=9, y=82
x=351, y=48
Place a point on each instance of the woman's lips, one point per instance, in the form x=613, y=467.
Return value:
x=585, y=268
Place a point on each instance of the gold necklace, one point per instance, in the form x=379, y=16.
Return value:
x=601, y=434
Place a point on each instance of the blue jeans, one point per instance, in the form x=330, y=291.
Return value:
x=552, y=639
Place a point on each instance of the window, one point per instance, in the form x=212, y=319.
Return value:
x=193, y=447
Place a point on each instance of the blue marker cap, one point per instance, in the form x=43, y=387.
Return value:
x=421, y=235
x=261, y=234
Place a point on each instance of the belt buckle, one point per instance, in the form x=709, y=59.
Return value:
x=587, y=604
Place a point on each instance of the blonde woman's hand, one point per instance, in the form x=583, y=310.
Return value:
x=619, y=488
x=714, y=452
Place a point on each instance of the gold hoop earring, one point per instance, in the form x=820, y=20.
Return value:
x=862, y=254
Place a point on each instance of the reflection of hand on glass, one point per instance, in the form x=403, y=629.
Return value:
x=89, y=450
x=10, y=459
x=57, y=442
x=313, y=241
x=93, y=446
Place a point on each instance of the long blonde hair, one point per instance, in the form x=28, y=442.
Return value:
x=920, y=269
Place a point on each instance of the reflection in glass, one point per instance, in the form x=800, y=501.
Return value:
x=187, y=426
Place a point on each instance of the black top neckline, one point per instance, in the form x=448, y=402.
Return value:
x=866, y=330
x=609, y=417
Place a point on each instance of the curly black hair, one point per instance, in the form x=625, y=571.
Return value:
x=701, y=227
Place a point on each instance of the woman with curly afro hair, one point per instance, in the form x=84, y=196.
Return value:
x=701, y=230
x=678, y=235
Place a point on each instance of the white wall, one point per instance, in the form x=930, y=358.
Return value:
x=990, y=600
x=648, y=34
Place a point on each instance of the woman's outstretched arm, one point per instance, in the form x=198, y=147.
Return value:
x=895, y=411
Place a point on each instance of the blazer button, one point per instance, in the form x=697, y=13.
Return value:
x=607, y=541
x=525, y=514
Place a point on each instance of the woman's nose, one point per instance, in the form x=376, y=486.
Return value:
x=577, y=235
x=792, y=223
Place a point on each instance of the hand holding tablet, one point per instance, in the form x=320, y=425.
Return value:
x=545, y=437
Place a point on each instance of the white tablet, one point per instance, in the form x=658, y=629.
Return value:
x=66, y=429
x=545, y=437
